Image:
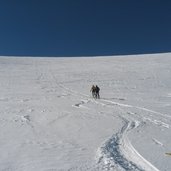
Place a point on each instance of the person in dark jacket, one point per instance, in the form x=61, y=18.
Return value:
x=97, y=92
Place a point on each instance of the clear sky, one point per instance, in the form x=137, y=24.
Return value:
x=84, y=27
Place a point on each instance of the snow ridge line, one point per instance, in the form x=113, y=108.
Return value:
x=118, y=153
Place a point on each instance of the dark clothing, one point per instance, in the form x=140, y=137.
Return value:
x=97, y=92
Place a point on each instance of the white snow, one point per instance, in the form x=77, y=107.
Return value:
x=50, y=122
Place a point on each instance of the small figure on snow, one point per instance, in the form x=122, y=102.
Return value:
x=93, y=90
x=97, y=92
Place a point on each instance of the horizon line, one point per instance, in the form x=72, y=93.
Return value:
x=77, y=56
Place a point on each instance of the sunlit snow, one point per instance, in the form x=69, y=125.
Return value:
x=50, y=122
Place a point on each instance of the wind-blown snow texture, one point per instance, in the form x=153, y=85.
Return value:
x=49, y=121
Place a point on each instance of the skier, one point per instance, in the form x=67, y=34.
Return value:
x=97, y=92
x=93, y=90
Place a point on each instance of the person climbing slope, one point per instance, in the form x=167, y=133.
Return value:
x=97, y=92
x=93, y=90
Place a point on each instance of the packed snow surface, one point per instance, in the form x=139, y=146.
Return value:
x=50, y=122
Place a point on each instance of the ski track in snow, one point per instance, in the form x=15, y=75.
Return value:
x=136, y=107
x=75, y=93
x=157, y=142
x=117, y=153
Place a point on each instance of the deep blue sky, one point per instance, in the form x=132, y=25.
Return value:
x=84, y=27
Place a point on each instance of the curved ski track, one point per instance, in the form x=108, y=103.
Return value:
x=115, y=152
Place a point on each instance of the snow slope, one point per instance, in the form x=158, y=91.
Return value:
x=50, y=122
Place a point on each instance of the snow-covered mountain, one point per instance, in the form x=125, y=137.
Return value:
x=50, y=122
